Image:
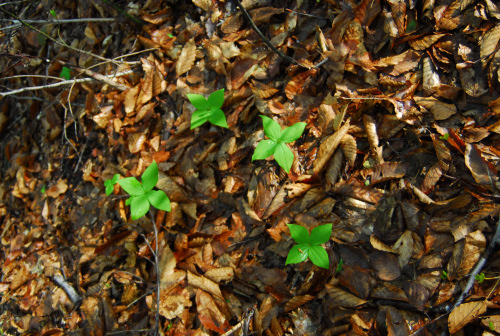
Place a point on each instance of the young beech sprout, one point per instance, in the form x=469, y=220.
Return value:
x=277, y=142
x=309, y=246
x=142, y=194
x=208, y=109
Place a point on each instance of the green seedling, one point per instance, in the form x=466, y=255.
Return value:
x=65, y=73
x=43, y=189
x=142, y=194
x=480, y=277
x=110, y=184
x=277, y=142
x=53, y=13
x=208, y=109
x=339, y=266
x=444, y=275
x=491, y=325
x=445, y=136
x=308, y=246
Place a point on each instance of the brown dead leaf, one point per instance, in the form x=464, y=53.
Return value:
x=55, y=191
x=386, y=265
x=342, y=298
x=465, y=313
x=102, y=119
x=297, y=301
x=483, y=171
x=440, y=110
x=209, y=313
x=186, y=58
x=205, y=284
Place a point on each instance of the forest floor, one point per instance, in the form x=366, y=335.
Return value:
x=400, y=154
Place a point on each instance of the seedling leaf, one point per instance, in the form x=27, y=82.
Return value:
x=292, y=133
x=319, y=256
x=110, y=184
x=131, y=186
x=65, y=73
x=320, y=234
x=271, y=128
x=139, y=206
x=264, y=149
x=218, y=118
x=284, y=156
x=150, y=177
x=299, y=233
x=216, y=99
x=199, y=118
x=297, y=254
x=159, y=199
x=198, y=101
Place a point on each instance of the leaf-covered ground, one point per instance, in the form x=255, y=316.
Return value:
x=400, y=153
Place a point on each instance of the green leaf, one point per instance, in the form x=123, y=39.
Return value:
x=339, y=266
x=491, y=325
x=216, y=100
x=218, y=118
x=65, y=73
x=128, y=201
x=320, y=234
x=139, y=206
x=170, y=35
x=292, y=133
x=480, y=277
x=199, y=117
x=444, y=275
x=299, y=233
x=319, y=256
x=131, y=186
x=198, y=101
x=271, y=128
x=284, y=156
x=43, y=189
x=297, y=254
x=150, y=177
x=445, y=136
x=53, y=13
x=159, y=199
x=110, y=184
x=264, y=149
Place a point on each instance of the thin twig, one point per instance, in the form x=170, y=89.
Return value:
x=157, y=265
x=479, y=266
x=65, y=82
x=472, y=278
x=63, y=20
x=266, y=41
x=56, y=41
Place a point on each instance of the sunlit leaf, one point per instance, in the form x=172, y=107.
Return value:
x=292, y=133
x=320, y=234
x=218, y=118
x=264, y=149
x=271, y=128
x=297, y=254
x=159, y=199
x=65, y=73
x=284, y=156
x=299, y=233
x=216, y=99
x=131, y=186
x=199, y=117
x=139, y=206
x=319, y=256
x=150, y=176
x=198, y=101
